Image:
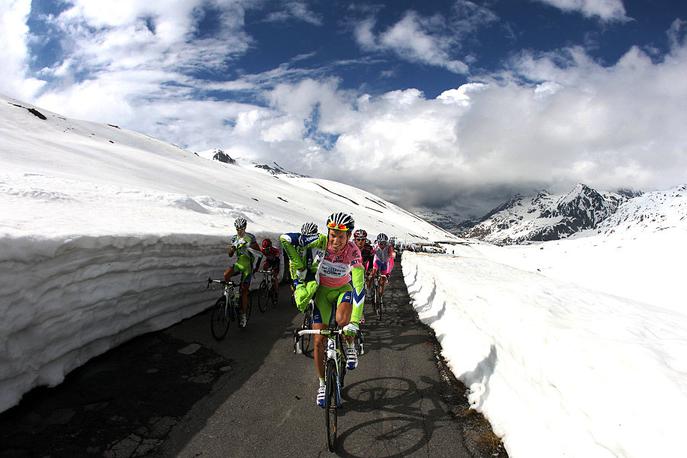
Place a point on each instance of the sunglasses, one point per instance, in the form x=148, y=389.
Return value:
x=339, y=227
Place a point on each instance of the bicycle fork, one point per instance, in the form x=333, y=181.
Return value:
x=334, y=355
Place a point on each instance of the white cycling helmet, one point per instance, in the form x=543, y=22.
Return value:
x=309, y=229
x=240, y=223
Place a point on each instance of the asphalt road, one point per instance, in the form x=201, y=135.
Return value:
x=179, y=392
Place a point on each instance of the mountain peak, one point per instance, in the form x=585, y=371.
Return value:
x=221, y=156
x=546, y=216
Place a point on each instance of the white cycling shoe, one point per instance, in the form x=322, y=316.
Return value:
x=351, y=358
x=243, y=320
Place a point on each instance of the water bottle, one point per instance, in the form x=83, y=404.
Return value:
x=331, y=348
x=237, y=295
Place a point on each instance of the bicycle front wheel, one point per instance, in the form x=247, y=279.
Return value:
x=219, y=319
x=378, y=302
x=261, y=296
x=330, y=410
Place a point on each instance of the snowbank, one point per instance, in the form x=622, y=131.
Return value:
x=558, y=368
x=77, y=298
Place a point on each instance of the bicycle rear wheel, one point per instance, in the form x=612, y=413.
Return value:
x=330, y=401
x=306, y=339
x=219, y=319
x=274, y=296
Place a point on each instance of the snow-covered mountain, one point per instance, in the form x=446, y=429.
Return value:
x=438, y=218
x=217, y=154
x=546, y=216
x=107, y=233
x=650, y=212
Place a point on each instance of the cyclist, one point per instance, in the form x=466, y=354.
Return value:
x=307, y=230
x=363, y=244
x=334, y=277
x=383, y=263
x=247, y=252
x=271, y=263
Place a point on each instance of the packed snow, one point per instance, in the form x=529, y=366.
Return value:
x=575, y=347
x=107, y=234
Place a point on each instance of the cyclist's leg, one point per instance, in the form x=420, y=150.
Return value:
x=386, y=273
x=275, y=282
x=344, y=309
x=230, y=272
x=321, y=314
x=245, y=288
x=243, y=265
x=381, y=268
x=371, y=276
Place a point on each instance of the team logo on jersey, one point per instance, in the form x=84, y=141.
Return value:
x=334, y=269
x=308, y=239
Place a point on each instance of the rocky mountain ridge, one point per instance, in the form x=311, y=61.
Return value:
x=546, y=216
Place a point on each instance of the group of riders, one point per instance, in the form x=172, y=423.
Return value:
x=331, y=270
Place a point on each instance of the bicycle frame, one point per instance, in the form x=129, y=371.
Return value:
x=269, y=278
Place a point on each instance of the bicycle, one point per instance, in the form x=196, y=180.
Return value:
x=334, y=374
x=377, y=301
x=266, y=292
x=225, y=310
x=301, y=344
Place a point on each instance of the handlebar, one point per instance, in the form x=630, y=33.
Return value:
x=221, y=282
x=322, y=332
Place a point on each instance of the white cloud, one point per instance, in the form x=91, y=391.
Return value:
x=606, y=10
x=131, y=62
x=14, y=57
x=430, y=40
x=411, y=39
x=548, y=119
x=295, y=10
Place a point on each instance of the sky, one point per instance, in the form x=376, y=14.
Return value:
x=450, y=105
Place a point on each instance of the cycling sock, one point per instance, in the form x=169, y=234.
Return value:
x=321, y=381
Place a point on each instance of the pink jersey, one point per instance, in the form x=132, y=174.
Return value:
x=382, y=254
x=335, y=270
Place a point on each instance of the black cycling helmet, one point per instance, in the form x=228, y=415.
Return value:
x=309, y=229
x=382, y=238
x=360, y=234
x=240, y=223
x=341, y=222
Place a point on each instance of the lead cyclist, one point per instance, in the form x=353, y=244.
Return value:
x=334, y=278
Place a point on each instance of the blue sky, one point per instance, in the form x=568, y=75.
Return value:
x=441, y=104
